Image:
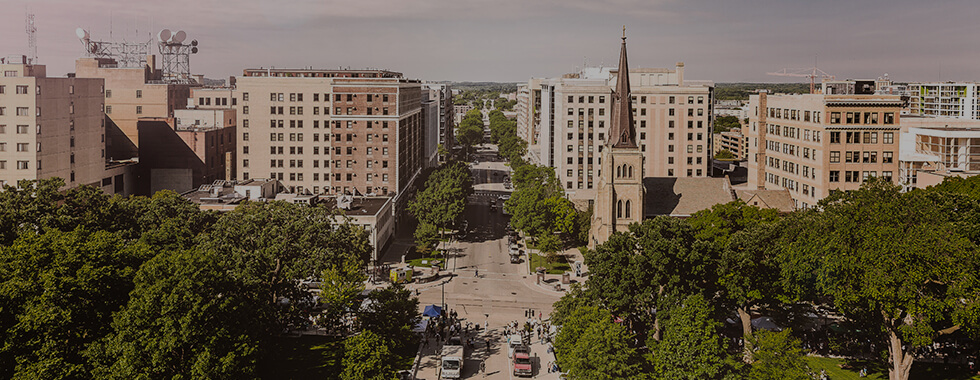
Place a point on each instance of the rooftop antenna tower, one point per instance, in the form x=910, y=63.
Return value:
x=176, y=55
x=31, y=38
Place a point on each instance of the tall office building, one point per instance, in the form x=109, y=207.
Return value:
x=331, y=131
x=813, y=144
x=568, y=119
x=54, y=127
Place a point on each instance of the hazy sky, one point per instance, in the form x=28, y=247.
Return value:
x=513, y=40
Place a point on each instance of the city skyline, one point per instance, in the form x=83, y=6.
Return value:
x=510, y=41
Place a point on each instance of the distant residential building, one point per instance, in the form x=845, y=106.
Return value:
x=741, y=112
x=459, y=112
x=731, y=140
x=960, y=100
x=568, y=118
x=130, y=94
x=813, y=144
x=439, y=121
x=54, y=127
x=194, y=148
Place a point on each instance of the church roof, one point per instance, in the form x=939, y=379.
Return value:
x=775, y=199
x=622, y=132
x=682, y=197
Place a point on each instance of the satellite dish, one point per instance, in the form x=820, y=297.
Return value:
x=194, y=43
x=164, y=35
x=179, y=37
x=82, y=34
x=194, y=50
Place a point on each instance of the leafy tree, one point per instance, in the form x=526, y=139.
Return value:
x=29, y=206
x=777, y=356
x=748, y=268
x=58, y=291
x=185, y=318
x=969, y=186
x=391, y=313
x=726, y=123
x=339, y=292
x=367, y=356
x=443, y=199
x=426, y=237
x=691, y=347
x=893, y=260
x=589, y=333
x=724, y=154
x=269, y=246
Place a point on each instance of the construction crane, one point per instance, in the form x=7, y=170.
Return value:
x=811, y=72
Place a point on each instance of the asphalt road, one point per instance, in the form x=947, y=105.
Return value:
x=500, y=293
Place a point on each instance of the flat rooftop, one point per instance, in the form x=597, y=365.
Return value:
x=320, y=73
x=359, y=206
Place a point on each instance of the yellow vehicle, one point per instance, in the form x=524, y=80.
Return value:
x=401, y=275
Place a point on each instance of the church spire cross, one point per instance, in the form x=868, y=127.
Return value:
x=623, y=130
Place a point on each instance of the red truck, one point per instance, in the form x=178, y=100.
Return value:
x=522, y=361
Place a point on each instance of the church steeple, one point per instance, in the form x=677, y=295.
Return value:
x=623, y=132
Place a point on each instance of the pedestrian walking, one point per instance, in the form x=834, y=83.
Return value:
x=483, y=368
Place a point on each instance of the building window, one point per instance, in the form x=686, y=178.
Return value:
x=139, y=110
x=834, y=157
x=888, y=137
x=834, y=176
x=887, y=157
x=835, y=137
x=244, y=110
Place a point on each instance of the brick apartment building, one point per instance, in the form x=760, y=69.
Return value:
x=331, y=131
x=813, y=144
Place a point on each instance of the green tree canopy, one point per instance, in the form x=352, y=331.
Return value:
x=58, y=291
x=893, y=260
x=184, y=319
x=777, y=356
x=271, y=245
x=391, y=313
x=589, y=333
x=367, y=356
x=691, y=347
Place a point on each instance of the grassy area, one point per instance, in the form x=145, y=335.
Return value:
x=558, y=267
x=305, y=357
x=429, y=263
x=878, y=371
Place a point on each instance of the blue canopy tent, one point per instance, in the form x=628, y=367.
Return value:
x=432, y=311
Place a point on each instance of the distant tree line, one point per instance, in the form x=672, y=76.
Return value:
x=900, y=269
x=741, y=91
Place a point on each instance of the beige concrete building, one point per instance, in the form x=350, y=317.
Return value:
x=733, y=141
x=331, y=131
x=132, y=93
x=194, y=148
x=568, y=119
x=813, y=144
x=933, y=148
x=54, y=127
